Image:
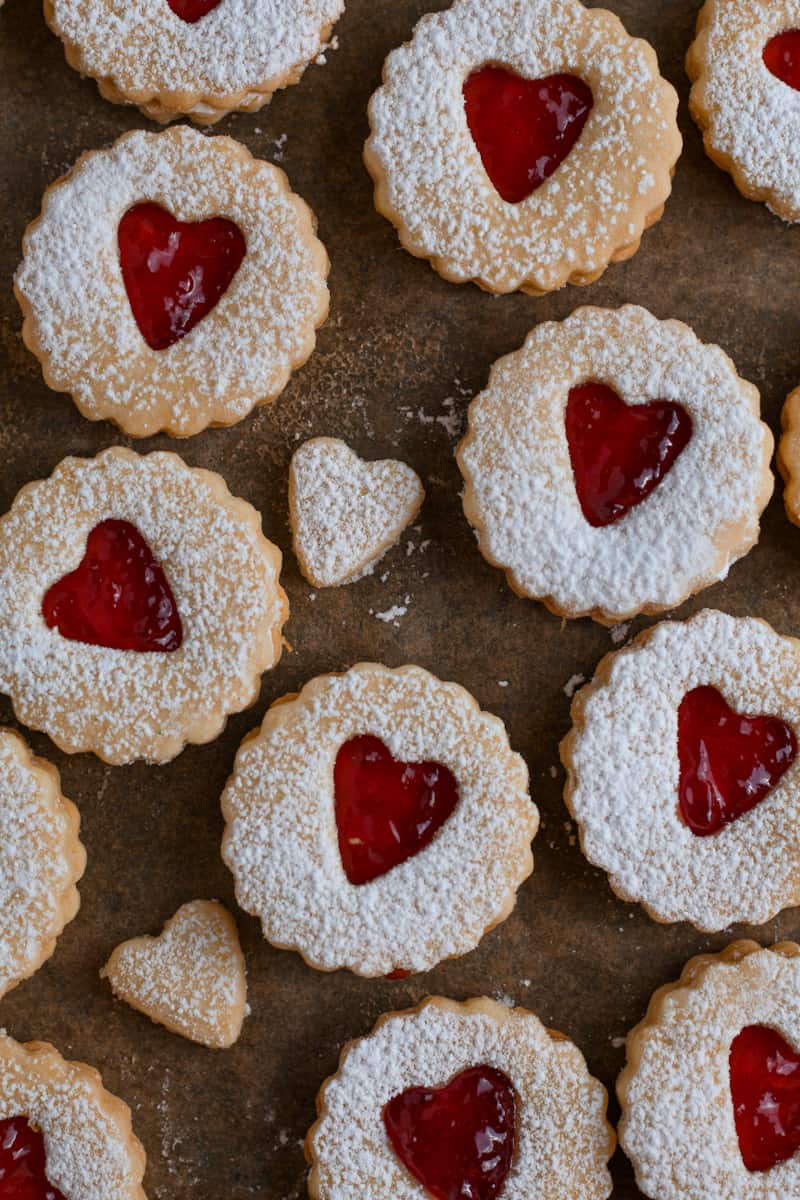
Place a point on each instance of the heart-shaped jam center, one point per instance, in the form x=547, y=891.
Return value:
x=23, y=1164
x=782, y=57
x=765, y=1090
x=118, y=596
x=457, y=1140
x=192, y=10
x=728, y=762
x=524, y=128
x=174, y=271
x=620, y=452
x=386, y=810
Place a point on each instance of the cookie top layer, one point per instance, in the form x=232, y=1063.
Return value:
x=520, y=486
x=429, y=177
x=281, y=836
x=623, y=768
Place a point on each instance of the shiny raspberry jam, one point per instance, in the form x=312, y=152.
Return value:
x=117, y=597
x=782, y=57
x=386, y=810
x=175, y=272
x=728, y=762
x=620, y=452
x=23, y=1165
x=765, y=1090
x=457, y=1140
x=191, y=11
x=524, y=128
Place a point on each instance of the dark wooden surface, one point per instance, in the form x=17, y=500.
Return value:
x=395, y=366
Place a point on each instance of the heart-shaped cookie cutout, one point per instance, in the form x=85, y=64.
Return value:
x=175, y=272
x=457, y=1140
x=386, y=810
x=782, y=57
x=118, y=596
x=345, y=512
x=765, y=1090
x=620, y=452
x=729, y=763
x=524, y=128
x=191, y=11
x=23, y=1163
x=190, y=978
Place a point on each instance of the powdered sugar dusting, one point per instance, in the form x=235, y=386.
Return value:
x=238, y=47
x=429, y=176
x=346, y=513
x=281, y=840
x=224, y=576
x=748, y=116
x=91, y=1152
x=521, y=491
x=190, y=978
x=562, y=1139
x=678, y=1120
x=622, y=761
x=40, y=861
x=79, y=320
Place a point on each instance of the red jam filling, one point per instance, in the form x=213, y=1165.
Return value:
x=192, y=10
x=175, y=272
x=118, y=596
x=620, y=452
x=728, y=762
x=765, y=1090
x=23, y=1165
x=457, y=1140
x=386, y=811
x=782, y=57
x=524, y=128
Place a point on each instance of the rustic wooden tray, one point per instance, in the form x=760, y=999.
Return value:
x=395, y=366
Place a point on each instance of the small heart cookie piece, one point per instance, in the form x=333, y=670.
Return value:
x=346, y=513
x=191, y=978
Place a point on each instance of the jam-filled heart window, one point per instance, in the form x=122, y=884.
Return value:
x=23, y=1163
x=387, y=810
x=524, y=128
x=457, y=1140
x=765, y=1091
x=191, y=11
x=175, y=272
x=782, y=57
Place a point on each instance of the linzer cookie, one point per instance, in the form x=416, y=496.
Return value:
x=378, y=821
x=191, y=978
x=710, y=1094
x=615, y=465
x=461, y=1100
x=195, y=58
x=141, y=604
x=346, y=513
x=682, y=770
x=522, y=145
x=171, y=282
x=41, y=861
x=745, y=72
x=789, y=455
x=62, y=1135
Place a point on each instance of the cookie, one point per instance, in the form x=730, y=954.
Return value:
x=788, y=457
x=522, y=145
x=171, y=282
x=615, y=465
x=196, y=58
x=346, y=513
x=378, y=821
x=191, y=978
x=472, y=1099
x=710, y=1094
x=62, y=1135
x=129, y=635
x=682, y=772
x=745, y=70
x=41, y=860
